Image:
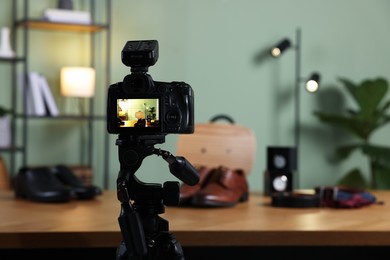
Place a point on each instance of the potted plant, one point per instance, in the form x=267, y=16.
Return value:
x=5, y=127
x=372, y=113
x=4, y=111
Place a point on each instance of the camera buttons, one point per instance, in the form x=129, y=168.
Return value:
x=173, y=117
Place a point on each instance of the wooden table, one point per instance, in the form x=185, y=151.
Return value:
x=89, y=224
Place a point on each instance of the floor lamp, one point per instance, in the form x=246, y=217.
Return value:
x=311, y=83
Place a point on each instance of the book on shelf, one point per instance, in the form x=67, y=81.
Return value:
x=22, y=83
x=50, y=103
x=34, y=94
x=39, y=98
x=5, y=132
x=67, y=16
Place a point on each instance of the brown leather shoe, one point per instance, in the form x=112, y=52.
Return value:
x=187, y=192
x=225, y=188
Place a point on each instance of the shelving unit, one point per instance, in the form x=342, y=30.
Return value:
x=13, y=147
x=26, y=24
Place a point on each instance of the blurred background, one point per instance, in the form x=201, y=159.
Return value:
x=219, y=47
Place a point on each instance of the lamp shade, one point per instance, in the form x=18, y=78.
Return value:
x=77, y=81
x=280, y=47
x=313, y=84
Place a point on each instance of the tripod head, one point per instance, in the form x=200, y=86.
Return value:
x=133, y=149
x=139, y=222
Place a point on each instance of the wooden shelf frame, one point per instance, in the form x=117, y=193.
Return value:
x=46, y=25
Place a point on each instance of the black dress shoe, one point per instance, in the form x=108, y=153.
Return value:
x=78, y=189
x=39, y=184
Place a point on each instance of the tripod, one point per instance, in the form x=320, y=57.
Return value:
x=145, y=234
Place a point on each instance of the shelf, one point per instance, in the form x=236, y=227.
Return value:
x=11, y=149
x=61, y=117
x=21, y=120
x=14, y=59
x=45, y=25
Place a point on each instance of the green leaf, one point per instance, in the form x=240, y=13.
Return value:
x=378, y=121
x=376, y=150
x=351, y=124
x=379, y=154
x=368, y=94
x=354, y=179
x=381, y=117
x=382, y=176
x=4, y=111
x=343, y=152
x=384, y=107
x=350, y=86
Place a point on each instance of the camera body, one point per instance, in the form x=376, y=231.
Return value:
x=141, y=106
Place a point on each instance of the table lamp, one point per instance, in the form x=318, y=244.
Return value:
x=78, y=82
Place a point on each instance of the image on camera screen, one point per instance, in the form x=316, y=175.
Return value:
x=140, y=112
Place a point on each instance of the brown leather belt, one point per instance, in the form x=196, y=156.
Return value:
x=325, y=196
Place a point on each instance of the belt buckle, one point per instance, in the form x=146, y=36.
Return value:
x=327, y=194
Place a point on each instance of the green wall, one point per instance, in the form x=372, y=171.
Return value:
x=211, y=44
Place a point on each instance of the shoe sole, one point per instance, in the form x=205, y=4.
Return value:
x=215, y=203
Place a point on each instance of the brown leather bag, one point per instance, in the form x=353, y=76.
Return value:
x=219, y=144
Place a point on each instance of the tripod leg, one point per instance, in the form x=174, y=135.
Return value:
x=166, y=247
x=132, y=231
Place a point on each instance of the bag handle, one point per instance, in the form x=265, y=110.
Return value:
x=222, y=116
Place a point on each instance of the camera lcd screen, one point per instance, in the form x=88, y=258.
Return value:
x=138, y=113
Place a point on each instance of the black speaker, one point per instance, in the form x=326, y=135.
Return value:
x=281, y=164
x=277, y=181
x=281, y=158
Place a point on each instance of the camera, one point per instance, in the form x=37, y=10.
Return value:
x=141, y=106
